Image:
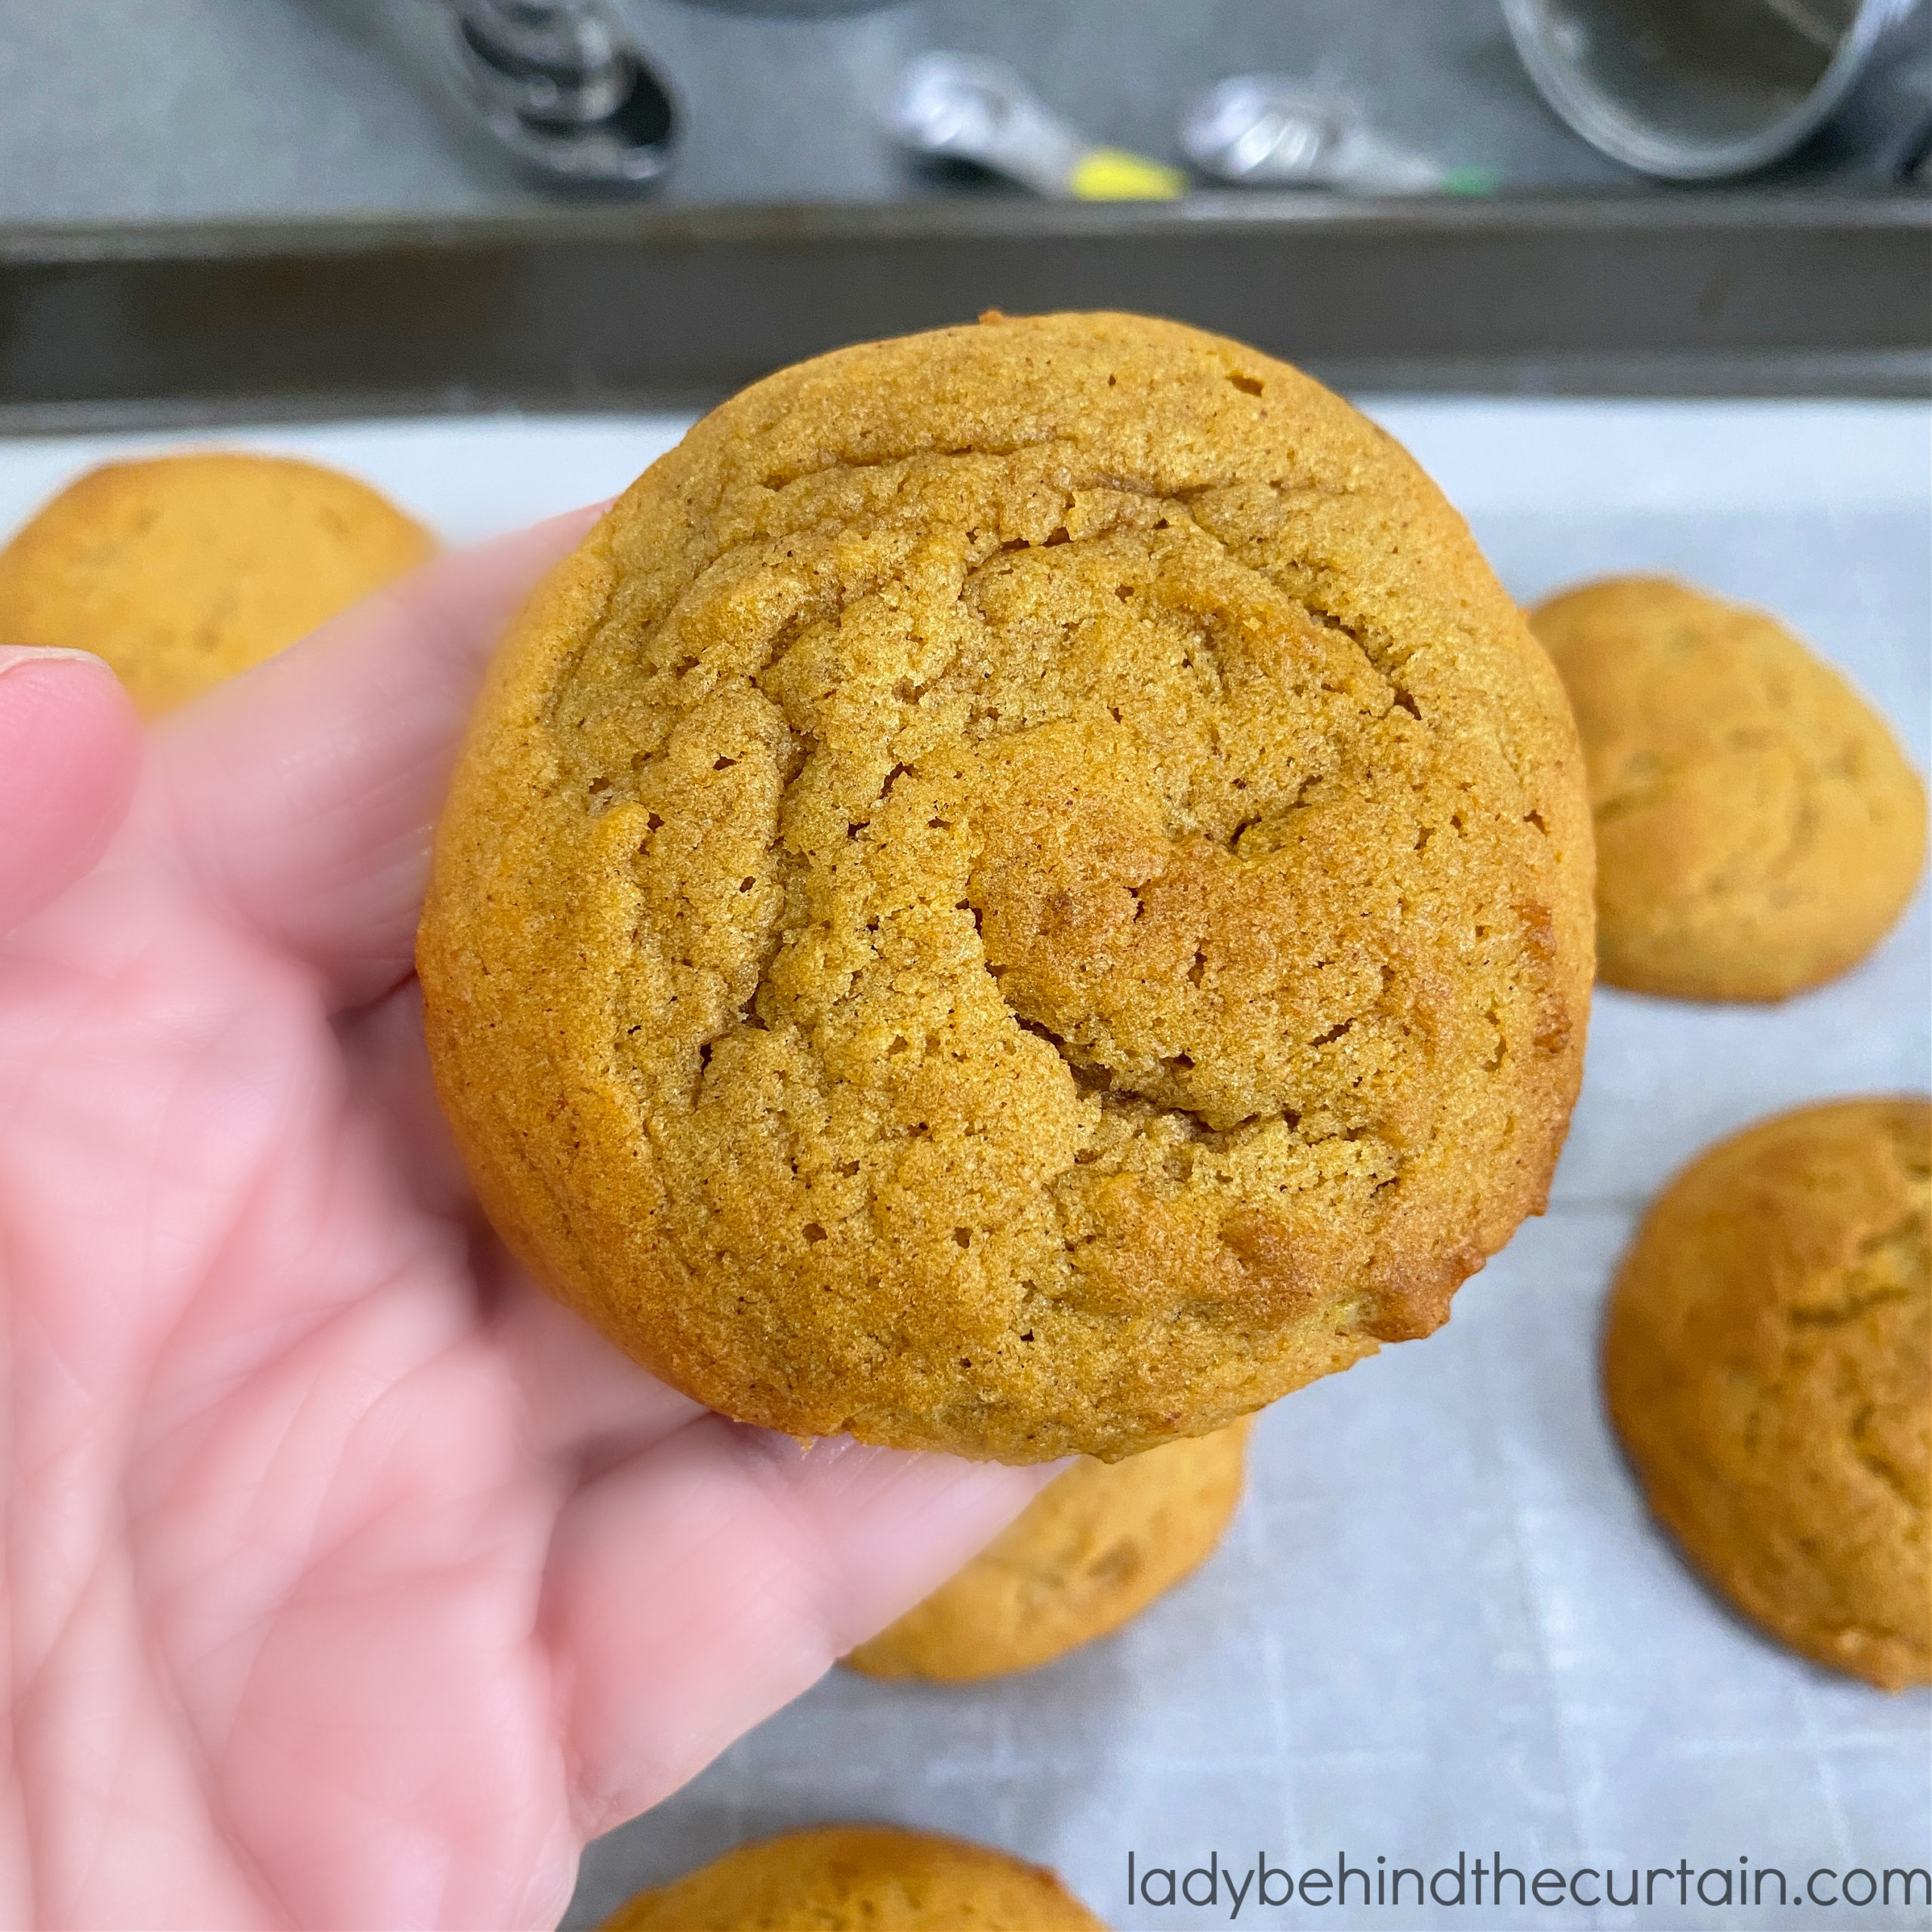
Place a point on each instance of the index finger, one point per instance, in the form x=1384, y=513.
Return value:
x=299, y=800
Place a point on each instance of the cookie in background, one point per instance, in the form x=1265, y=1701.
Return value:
x=859, y=1878
x=1768, y=1362
x=1758, y=830
x=1091, y=1552
x=181, y=570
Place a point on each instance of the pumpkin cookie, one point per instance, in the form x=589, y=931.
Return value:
x=1092, y=1550
x=181, y=570
x=859, y=1878
x=1024, y=893
x=1769, y=1365
x=1758, y=829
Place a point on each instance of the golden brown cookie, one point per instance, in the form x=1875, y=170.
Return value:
x=1769, y=1364
x=1758, y=828
x=1092, y=1550
x=181, y=570
x=859, y=1878
x=1025, y=892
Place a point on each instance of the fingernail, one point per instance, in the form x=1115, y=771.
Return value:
x=14, y=656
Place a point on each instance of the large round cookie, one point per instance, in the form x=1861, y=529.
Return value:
x=1025, y=892
x=181, y=570
x=1758, y=829
x=1093, y=1550
x=859, y=1878
x=1769, y=1364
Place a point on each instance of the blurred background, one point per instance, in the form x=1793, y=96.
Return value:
x=174, y=109
x=193, y=109
x=268, y=208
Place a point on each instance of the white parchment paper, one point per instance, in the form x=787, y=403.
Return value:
x=1442, y=1622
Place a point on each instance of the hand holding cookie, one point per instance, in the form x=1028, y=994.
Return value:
x=339, y=1581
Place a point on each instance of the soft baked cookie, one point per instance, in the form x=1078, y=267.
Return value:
x=1758, y=829
x=181, y=570
x=859, y=1878
x=1093, y=1550
x=1768, y=1360
x=1024, y=893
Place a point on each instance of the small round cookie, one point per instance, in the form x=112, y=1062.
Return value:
x=1758, y=828
x=859, y=1878
x=1026, y=892
x=1094, y=1549
x=181, y=570
x=1768, y=1361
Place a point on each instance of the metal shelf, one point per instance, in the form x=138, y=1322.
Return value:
x=1696, y=294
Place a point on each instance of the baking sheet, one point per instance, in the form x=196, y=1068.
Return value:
x=1442, y=1622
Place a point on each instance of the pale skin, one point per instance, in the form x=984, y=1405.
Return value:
x=348, y=1581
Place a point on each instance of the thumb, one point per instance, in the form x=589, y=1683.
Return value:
x=70, y=748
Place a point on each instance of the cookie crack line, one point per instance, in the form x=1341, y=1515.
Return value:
x=846, y=464
x=838, y=604
x=777, y=482
x=1098, y=1080
x=789, y=862
x=1846, y=1314
x=1882, y=1471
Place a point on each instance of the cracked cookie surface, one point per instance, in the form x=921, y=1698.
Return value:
x=1768, y=1361
x=1090, y=1552
x=1026, y=892
x=182, y=570
x=1758, y=829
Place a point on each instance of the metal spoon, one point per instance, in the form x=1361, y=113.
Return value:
x=957, y=107
x=1268, y=130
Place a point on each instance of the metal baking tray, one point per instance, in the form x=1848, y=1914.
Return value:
x=1640, y=293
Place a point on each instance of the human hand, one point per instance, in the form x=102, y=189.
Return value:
x=348, y=1580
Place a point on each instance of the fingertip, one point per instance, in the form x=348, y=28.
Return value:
x=696, y=1588
x=70, y=753
x=20, y=657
